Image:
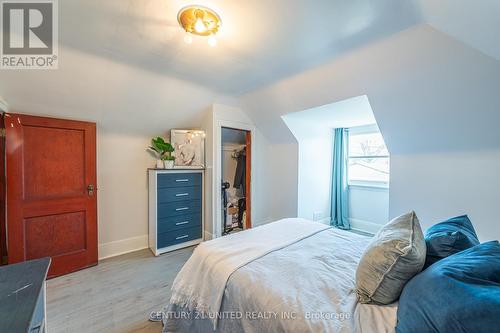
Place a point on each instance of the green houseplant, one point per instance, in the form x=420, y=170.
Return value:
x=167, y=157
x=163, y=153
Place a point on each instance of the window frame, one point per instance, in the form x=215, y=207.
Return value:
x=360, y=130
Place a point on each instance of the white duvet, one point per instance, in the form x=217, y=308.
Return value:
x=297, y=284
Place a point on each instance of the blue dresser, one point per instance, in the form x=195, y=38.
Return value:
x=175, y=209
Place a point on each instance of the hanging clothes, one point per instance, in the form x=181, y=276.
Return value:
x=240, y=174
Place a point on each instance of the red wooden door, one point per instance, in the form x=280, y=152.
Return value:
x=3, y=237
x=51, y=211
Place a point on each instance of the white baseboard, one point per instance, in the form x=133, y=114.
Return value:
x=365, y=226
x=208, y=236
x=122, y=246
x=326, y=220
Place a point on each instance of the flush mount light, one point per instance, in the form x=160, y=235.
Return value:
x=201, y=21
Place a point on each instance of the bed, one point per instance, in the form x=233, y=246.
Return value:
x=292, y=275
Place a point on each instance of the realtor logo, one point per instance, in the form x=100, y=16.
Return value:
x=29, y=34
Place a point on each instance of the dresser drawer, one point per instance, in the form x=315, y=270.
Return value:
x=173, y=194
x=178, y=222
x=178, y=236
x=178, y=208
x=179, y=179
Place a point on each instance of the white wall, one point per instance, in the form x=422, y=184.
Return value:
x=314, y=161
x=314, y=184
x=122, y=192
x=277, y=174
x=442, y=185
x=368, y=207
x=130, y=105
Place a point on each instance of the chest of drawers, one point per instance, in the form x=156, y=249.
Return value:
x=175, y=209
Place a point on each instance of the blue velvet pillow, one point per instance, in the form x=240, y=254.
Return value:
x=449, y=237
x=460, y=293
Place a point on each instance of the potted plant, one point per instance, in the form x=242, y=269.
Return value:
x=167, y=157
x=162, y=151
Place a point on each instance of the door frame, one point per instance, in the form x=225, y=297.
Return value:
x=217, y=171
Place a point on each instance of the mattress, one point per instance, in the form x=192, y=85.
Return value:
x=308, y=286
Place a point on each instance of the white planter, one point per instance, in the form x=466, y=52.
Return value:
x=160, y=164
x=169, y=164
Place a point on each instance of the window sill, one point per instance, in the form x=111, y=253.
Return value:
x=376, y=185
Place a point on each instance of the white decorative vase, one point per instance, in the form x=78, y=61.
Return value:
x=169, y=164
x=160, y=164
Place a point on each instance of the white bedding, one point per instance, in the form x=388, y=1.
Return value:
x=306, y=286
x=201, y=282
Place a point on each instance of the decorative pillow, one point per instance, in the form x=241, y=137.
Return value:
x=449, y=237
x=393, y=257
x=460, y=293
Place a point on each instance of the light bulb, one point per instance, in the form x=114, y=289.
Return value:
x=199, y=26
x=188, y=39
x=212, y=41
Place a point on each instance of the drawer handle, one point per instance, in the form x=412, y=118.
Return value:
x=181, y=237
x=181, y=194
x=181, y=223
x=182, y=180
x=182, y=208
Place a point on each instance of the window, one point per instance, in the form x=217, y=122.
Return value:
x=368, y=157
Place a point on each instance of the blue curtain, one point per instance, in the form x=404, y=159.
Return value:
x=340, y=203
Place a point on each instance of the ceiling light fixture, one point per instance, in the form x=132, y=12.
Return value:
x=201, y=21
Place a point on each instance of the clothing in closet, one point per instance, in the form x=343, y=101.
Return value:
x=240, y=174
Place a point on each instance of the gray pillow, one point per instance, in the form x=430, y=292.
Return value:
x=393, y=257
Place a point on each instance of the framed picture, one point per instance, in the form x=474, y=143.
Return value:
x=189, y=148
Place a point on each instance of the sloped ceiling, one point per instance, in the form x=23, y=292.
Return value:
x=351, y=112
x=428, y=91
x=123, y=63
x=475, y=23
x=259, y=42
x=118, y=96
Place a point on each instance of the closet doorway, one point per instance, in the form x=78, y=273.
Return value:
x=235, y=180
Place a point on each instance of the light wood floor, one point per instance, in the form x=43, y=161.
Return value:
x=114, y=296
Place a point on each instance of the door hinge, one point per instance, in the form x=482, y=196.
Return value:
x=3, y=132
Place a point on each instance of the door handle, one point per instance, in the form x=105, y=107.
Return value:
x=90, y=190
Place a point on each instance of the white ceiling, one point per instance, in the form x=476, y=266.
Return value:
x=260, y=41
x=123, y=63
x=351, y=112
x=476, y=23
x=428, y=91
